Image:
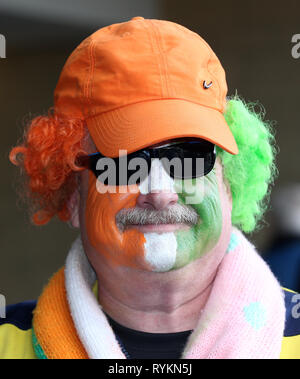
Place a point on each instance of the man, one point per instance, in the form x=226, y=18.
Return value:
x=160, y=269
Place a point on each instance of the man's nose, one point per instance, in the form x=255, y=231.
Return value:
x=157, y=200
x=157, y=191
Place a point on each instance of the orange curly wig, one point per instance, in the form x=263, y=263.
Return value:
x=48, y=155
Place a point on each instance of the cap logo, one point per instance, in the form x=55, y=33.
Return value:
x=205, y=85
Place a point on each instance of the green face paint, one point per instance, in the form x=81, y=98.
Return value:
x=202, y=237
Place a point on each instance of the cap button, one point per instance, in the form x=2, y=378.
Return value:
x=137, y=18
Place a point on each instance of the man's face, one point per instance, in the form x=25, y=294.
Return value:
x=154, y=226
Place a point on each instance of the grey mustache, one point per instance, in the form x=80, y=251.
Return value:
x=176, y=214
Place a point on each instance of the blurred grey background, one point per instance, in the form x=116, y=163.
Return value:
x=252, y=40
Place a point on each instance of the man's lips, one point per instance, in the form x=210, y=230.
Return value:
x=158, y=228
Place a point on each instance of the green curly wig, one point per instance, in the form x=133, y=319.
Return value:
x=252, y=170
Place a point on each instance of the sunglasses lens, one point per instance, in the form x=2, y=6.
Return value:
x=139, y=165
x=189, y=160
x=121, y=171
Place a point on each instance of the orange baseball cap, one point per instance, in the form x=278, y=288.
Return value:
x=143, y=81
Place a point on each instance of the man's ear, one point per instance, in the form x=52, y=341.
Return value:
x=73, y=208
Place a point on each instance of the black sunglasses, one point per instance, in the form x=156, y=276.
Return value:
x=183, y=160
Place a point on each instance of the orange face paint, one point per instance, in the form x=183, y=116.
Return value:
x=120, y=248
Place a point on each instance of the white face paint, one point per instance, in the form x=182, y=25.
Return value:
x=160, y=248
x=157, y=180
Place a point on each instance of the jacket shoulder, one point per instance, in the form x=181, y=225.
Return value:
x=16, y=332
x=19, y=315
x=291, y=339
x=292, y=310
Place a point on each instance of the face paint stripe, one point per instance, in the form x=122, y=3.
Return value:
x=118, y=248
x=161, y=250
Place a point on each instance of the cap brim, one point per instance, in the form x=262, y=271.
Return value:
x=142, y=124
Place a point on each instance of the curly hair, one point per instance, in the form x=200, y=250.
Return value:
x=251, y=172
x=48, y=153
x=52, y=143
